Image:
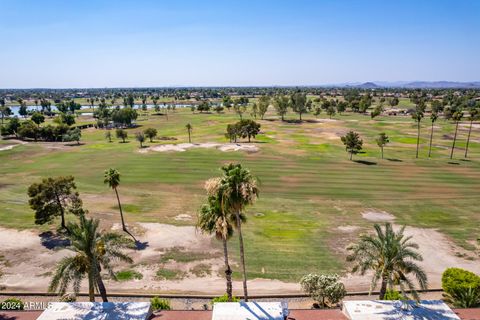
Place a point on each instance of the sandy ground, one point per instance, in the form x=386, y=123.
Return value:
x=378, y=216
x=438, y=252
x=13, y=145
x=182, y=147
x=29, y=261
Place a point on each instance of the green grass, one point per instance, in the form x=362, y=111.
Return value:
x=308, y=187
x=180, y=255
x=169, y=274
x=201, y=270
x=126, y=275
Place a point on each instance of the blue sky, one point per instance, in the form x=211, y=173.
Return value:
x=206, y=43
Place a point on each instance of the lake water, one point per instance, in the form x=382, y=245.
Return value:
x=15, y=109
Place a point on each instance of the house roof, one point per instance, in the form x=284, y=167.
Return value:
x=328, y=314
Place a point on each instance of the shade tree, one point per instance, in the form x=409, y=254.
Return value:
x=150, y=133
x=54, y=197
x=121, y=134
x=281, y=103
x=353, y=143
x=140, y=137
x=382, y=141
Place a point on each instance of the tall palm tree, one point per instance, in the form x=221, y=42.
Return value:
x=93, y=251
x=473, y=116
x=238, y=189
x=417, y=116
x=189, y=129
x=112, y=178
x=212, y=219
x=457, y=116
x=392, y=258
x=433, y=118
x=92, y=104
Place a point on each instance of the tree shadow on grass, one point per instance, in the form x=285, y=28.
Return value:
x=365, y=162
x=74, y=144
x=466, y=160
x=394, y=160
x=453, y=162
x=52, y=240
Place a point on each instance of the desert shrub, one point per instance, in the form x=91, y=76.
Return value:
x=327, y=290
x=393, y=295
x=461, y=287
x=68, y=297
x=160, y=304
x=169, y=274
x=224, y=298
x=126, y=275
x=11, y=304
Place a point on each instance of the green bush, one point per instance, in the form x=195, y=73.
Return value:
x=393, y=295
x=68, y=297
x=462, y=287
x=160, y=304
x=326, y=289
x=224, y=298
x=11, y=304
x=126, y=275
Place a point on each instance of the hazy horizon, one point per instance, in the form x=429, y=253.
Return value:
x=343, y=84
x=119, y=44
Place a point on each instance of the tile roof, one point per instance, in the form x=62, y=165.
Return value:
x=330, y=314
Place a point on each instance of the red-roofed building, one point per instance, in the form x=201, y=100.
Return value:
x=331, y=314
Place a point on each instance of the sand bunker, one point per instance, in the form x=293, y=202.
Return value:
x=378, y=216
x=11, y=146
x=181, y=147
x=183, y=217
x=347, y=229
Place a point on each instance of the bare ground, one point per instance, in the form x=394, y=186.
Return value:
x=181, y=147
x=29, y=263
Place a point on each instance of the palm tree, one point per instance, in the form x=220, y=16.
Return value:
x=189, y=129
x=93, y=251
x=212, y=219
x=112, y=178
x=457, y=116
x=238, y=188
x=473, y=116
x=391, y=256
x=433, y=118
x=417, y=116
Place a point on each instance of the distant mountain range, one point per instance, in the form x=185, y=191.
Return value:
x=414, y=84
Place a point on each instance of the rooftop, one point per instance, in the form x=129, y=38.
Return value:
x=329, y=314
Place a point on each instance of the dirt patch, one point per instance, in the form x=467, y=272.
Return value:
x=182, y=147
x=183, y=217
x=326, y=120
x=347, y=229
x=431, y=244
x=159, y=237
x=378, y=216
x=30, y=264
x=11, y=146
x=8, y=147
